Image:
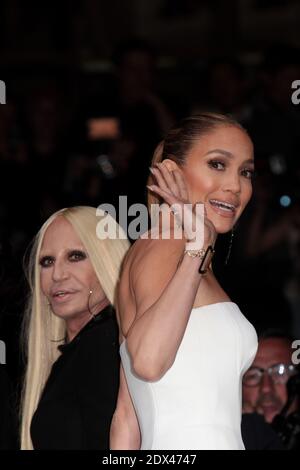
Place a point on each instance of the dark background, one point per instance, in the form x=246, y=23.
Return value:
x=148, y=63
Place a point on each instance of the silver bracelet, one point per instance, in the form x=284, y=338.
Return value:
x=195, y=253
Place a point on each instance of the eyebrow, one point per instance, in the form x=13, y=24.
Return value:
x=227, y=154
x=288, y=364
x=68, y=250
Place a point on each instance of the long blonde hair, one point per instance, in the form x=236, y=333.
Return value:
x=41, y=328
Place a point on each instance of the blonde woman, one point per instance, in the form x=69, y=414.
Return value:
x=72, y=373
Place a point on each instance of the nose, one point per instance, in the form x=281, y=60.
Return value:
x=232, y=183
x=59, y=271
x=266, y=384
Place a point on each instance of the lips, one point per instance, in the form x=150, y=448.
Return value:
x=224, y=208
x=269, y=406
x=61, y=295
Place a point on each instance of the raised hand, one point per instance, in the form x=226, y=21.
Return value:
x=171, y=187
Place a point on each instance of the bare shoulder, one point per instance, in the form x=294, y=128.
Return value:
x=148, y=267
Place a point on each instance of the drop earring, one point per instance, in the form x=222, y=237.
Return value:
x=91, y=313
x=230, y=247
x=49, y=312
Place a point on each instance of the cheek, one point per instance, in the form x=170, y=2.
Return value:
x=245, y=198
x=281, y=393
x=87, y=277
x=200, y=184
x=247, y=194
x=45, y=279
x=91, y=282
x=250, y=394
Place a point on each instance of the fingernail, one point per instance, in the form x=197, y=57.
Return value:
x=149, y=187
x=151, y=169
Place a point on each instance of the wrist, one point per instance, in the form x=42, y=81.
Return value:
x=204, y=255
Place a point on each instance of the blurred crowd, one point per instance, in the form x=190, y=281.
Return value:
x=62, y=145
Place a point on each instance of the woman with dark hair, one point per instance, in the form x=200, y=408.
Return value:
x=185, y=345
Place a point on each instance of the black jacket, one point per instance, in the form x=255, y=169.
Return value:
x=259, y=435
x=80, y=395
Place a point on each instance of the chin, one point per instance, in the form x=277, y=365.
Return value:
x=222, y=224
x=61, y=315
x=269, y=417
x=65, y=313
x=223, y=230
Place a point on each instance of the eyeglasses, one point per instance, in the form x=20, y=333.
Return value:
x=279, y=373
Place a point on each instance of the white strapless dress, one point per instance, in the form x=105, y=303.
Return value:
x=197, y=403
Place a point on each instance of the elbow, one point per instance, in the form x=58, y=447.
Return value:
x=148, y=362
x=147, y=368
x=147, y=373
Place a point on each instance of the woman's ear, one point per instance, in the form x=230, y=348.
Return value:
x=170, y=164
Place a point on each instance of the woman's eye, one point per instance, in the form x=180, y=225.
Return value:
x=216, y=164
x=248, y=173
x=46, y=261
x=77, y=256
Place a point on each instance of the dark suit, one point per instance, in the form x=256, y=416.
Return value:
x=259, y=435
